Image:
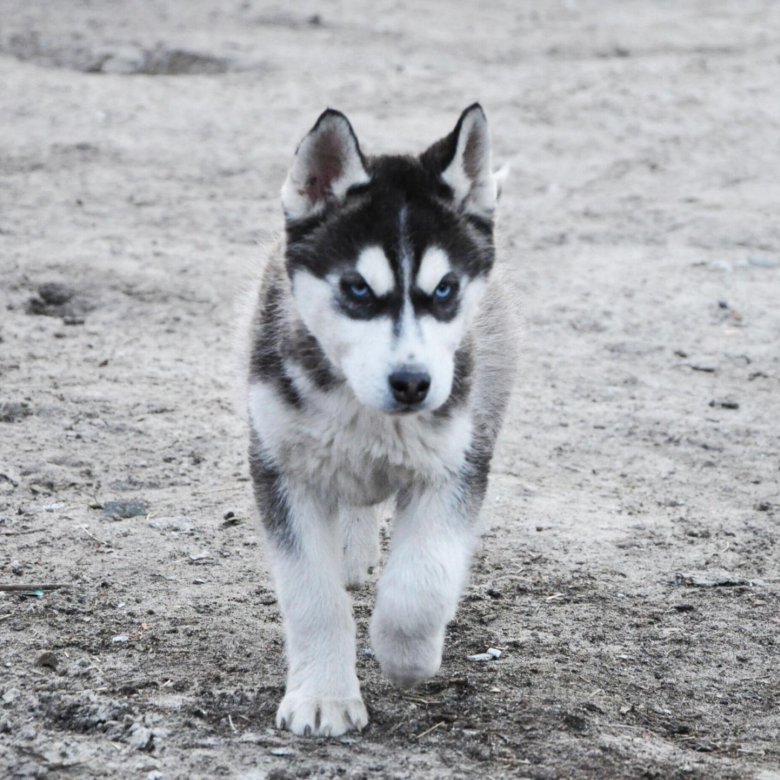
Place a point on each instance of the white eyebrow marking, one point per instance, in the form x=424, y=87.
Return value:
x=434, y=266
x=374, y=267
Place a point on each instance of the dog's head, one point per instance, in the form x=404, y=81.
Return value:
x=389, y=255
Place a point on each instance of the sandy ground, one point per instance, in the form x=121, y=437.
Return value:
x=630, y=563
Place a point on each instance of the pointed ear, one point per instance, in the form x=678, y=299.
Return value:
x=327, y=163
x=463, y=162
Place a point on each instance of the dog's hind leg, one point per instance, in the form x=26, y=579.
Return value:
x=360, y=539
x=418, y=592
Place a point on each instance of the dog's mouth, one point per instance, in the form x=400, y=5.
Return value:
x=405, y=409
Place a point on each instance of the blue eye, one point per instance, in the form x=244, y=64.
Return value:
x=354, y=286
x=443, y=292
x=359, y=290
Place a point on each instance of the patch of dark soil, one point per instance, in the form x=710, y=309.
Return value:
x=84, y=713
x=55, y=299
x=14, y=411
x=252, y=709
x=121, y=58
x=177, y=62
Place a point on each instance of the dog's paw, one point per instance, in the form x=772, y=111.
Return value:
x=309, y=716
x=406, y=660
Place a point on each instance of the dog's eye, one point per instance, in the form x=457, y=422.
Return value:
x=355, y=287
x=446, y=290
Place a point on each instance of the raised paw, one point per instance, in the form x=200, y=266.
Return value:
x=406, y=659
x=309, y=716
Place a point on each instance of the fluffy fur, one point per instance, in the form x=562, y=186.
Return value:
x=379, y=368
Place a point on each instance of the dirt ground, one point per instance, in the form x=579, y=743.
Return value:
x=629, y=572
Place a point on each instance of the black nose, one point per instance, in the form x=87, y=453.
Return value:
x=409, y=387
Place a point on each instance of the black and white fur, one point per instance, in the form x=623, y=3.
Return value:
x=380, y=363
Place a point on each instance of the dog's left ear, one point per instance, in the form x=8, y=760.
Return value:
x=463, y=162
x=327, y=163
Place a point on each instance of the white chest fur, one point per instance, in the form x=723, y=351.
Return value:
x=340, y=448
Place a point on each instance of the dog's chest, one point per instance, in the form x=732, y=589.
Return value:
x=359, y=456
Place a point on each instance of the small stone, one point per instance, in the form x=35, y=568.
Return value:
x=724, y=403
x=120, y=639
x=55, y=293
x=491, y=654
x=179, y=523
x=11, y=695
x=140, y=737
x=122, y=60
x=763, y=262
x=120, y=510
x=718, y=578
x=47, y=659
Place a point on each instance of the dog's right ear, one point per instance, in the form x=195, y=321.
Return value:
x=327, y=163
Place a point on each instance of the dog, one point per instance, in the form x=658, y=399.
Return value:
x=380, y=364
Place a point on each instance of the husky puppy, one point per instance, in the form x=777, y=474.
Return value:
x=380, y=363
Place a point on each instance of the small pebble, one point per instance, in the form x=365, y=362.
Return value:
x=720, y=265
x=120, y=639
x=11, y=695
x=120, y=510
x=490, y=655
x=47, y=659
x=179, y=523
x=54, y=293
x=230, y=519
x=724, y=403
x=763, y=262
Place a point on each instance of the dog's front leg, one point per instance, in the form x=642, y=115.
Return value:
x=323, y=694
x=418, y=593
